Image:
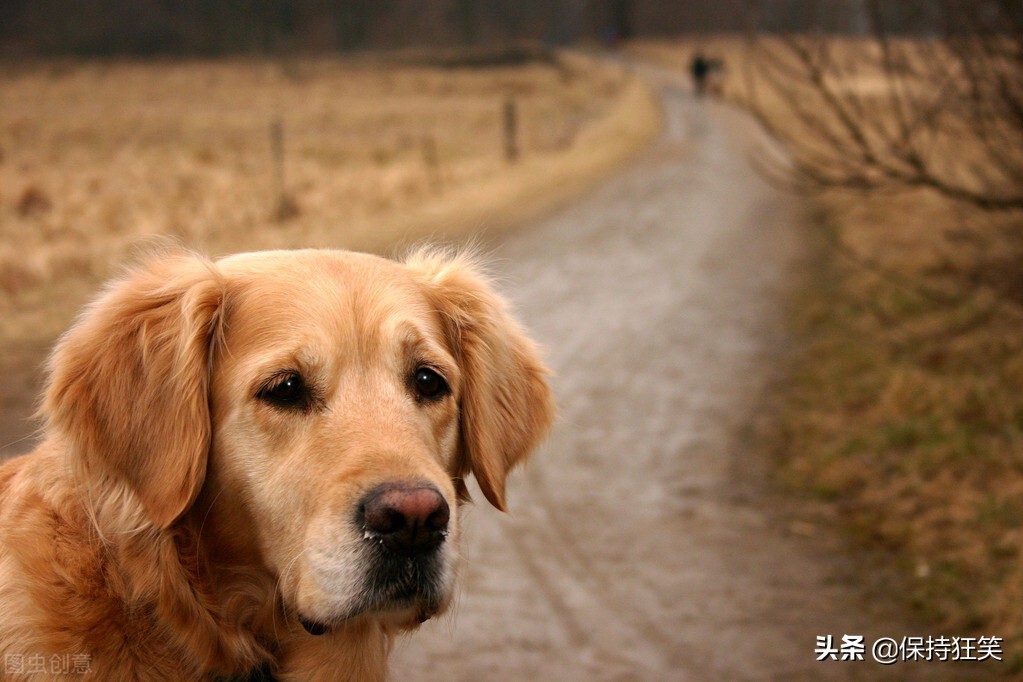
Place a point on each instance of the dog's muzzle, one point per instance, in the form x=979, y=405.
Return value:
x=404, y=526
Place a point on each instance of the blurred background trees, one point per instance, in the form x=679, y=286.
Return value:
x=151, y=27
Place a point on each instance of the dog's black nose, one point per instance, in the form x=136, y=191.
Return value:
x=406, y=518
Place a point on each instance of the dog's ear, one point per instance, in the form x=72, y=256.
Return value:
x=506, y=403
x=129, y=383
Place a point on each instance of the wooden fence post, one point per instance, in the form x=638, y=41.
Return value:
x=511, y=133
x=286, y=207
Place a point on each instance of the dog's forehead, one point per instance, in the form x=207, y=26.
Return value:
x=307, y=261
x=281, y=293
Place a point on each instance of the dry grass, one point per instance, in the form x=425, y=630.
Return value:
x=905, y=412
x=96, y=156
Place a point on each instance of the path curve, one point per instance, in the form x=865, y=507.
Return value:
x=639, y=545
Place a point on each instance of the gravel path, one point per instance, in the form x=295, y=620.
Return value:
x=640, y=543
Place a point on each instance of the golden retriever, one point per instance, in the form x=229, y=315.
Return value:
x=253, y=466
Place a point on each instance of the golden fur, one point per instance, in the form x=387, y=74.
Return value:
x=174, y=524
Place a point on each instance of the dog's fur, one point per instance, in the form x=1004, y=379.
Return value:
x=174, y=524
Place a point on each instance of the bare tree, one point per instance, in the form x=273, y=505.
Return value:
x=941, y=109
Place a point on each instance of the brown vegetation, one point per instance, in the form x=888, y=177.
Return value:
x=239, y=155
x=906, y=411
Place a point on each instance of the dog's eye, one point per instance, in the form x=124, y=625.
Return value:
x=429, y=385
x=286, y=390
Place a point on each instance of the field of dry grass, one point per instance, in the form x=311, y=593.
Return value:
x=905, y=411
x=98, y=156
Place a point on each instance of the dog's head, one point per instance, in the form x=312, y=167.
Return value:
x=318, y=409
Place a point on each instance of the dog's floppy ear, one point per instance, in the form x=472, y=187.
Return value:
x=129, y=383
x=506, y=403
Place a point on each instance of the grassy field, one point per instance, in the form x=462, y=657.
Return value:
x=904, y=415
x=225, y=156
x=100, y=158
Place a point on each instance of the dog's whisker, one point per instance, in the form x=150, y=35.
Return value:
x=23, y=439
x=202, y=524
x=279, y=592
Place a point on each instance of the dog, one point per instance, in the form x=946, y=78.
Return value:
x=252, y=467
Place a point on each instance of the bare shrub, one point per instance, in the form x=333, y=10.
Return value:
x=943, y=111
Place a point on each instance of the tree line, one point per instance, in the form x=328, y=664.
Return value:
x=211, y=27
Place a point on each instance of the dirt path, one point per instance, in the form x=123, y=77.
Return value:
x=640, y=544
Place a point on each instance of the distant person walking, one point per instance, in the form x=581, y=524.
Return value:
x=700, y=68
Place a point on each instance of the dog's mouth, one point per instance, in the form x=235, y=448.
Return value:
x=405, y=617
x=406, y=590
x=313, y=627
x=406, y=561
